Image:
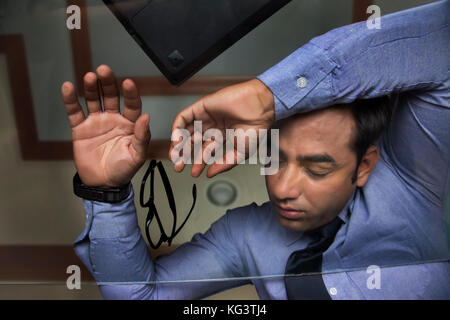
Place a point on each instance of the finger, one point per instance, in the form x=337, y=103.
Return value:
x=180, y=123
x=197, y=169
x=198, y=164
x=91, y=93
x=177, y=148
x=141, y=138
x=186, y=117
x=132, y=107
x=215, y=169
x=73, y=108
x=111, y=97
x=176, y=139
x=206, y=156
x=229, y=161
x=184, y=120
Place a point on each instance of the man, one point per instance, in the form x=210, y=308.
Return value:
x=387, y=197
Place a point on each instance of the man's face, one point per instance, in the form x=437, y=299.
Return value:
x=314, y=179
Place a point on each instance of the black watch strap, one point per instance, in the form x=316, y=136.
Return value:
x=110, y=195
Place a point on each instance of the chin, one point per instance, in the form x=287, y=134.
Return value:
x=294, y=225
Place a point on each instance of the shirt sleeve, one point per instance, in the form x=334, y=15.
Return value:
x=114, y=251
x=406, y=58
x=409, y=51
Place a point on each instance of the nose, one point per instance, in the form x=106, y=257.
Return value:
x=289, y=183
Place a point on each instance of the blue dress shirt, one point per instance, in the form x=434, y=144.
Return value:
x=394, y=224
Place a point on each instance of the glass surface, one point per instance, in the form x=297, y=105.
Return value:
x=50, y=62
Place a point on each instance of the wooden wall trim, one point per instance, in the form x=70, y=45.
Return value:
x=38, y=263
x=26, y=263
x=13, y=46
x=200, y=85
x=359, y=10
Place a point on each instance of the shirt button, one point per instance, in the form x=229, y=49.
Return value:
x=302, y=82
x=333, y=291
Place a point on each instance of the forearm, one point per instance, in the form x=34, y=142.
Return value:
x=353, y=62
x=113, y=249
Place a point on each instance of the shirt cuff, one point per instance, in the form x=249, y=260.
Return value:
x=300, y=81
x=108, y=220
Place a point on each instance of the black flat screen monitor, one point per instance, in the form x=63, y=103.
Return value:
x=183, y=36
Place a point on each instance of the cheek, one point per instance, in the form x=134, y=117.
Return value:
x=317, y=194
x=327, y=193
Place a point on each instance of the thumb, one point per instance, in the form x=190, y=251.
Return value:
x=141, y=137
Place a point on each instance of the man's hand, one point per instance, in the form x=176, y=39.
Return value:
x=108, y=147
x=248, y=105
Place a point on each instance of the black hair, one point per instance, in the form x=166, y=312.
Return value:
x=372, y=118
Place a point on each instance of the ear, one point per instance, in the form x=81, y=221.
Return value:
x=368, y=163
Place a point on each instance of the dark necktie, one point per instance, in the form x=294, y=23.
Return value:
x=309, y=260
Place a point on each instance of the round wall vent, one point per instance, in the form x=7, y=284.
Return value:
x=221, y=193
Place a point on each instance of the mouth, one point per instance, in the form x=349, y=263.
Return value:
x=290, y=213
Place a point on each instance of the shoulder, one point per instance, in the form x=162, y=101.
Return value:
x=240, y=227
x=239, y=221
x=249, y=220
x=251, y=213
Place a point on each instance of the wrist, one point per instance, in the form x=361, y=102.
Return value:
x=101, y=194
x=266, y=99
x=91, y=181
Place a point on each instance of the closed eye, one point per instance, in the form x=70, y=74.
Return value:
x=316, y=175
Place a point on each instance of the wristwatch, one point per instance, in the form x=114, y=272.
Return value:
x=109, y=195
